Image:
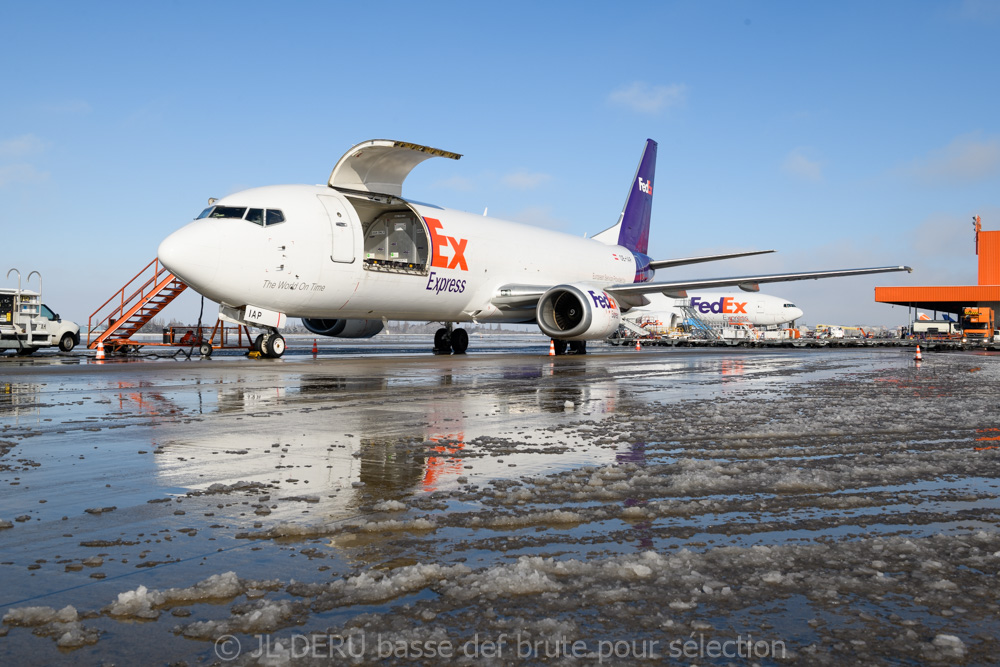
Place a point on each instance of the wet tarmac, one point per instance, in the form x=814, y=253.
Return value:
x=686, y=506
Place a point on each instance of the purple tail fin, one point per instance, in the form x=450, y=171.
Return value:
x=632, y=230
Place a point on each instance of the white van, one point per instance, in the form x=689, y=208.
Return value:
x=27, y=324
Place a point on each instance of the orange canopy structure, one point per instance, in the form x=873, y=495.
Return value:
x=952, y=298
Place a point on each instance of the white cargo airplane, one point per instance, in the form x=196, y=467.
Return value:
x=351, y=254
x=717, y=309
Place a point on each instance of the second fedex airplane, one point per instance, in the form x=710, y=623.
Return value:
x=347, y=256
x=717, y=309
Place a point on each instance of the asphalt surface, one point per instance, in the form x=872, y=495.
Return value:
x=842, y=503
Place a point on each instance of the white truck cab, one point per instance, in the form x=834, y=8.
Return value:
x=27, y=324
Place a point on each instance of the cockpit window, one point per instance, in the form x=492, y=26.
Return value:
x=256, y=216
x=228, y=212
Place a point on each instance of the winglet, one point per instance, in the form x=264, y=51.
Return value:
x=632, y=230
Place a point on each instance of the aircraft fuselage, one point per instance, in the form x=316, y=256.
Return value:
x=372, y=256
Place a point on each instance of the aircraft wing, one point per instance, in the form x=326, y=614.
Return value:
x=678, y=289
x=525, y=297
x=667, y=263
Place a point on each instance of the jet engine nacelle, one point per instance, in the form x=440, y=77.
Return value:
x=344, y=328
x=577, y=312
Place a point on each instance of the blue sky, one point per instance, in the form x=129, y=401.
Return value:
x=841, y=134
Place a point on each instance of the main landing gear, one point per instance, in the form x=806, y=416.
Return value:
x=448, y=340
x=569, y=346
x=270, y=344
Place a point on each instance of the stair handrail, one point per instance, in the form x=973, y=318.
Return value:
x=154, y=280
x=699, y=325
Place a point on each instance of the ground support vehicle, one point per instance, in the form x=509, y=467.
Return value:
x=27, y=324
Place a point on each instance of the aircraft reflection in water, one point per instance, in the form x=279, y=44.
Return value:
x=731, y=369
x=140, y=396
x=331, y=432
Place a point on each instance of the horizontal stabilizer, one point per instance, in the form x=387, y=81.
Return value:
x=708, y=283
x=667, y=263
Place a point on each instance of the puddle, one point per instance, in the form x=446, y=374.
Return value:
x=608, y=497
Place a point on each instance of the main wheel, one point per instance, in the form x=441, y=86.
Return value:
x=578, y=347
x=26, y=351
x=442, y=341
x=67, y=342
x=560, y=346
x=459, y=341
x=205, y=349
x=256, y=343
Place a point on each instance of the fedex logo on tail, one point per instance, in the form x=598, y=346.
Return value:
x=723, y=305
x=646, y=187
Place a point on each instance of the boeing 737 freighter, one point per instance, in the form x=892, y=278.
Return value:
x=347, y=256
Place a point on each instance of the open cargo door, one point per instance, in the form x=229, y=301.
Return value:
x=380, y=166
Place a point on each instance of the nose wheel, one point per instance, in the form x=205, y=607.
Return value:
x=270, y=344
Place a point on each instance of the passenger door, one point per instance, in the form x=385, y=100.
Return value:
x=341, y=230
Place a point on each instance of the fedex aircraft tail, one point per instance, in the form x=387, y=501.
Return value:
x=632, y=230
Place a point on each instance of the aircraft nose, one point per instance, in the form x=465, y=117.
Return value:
x=189, y=255
x=796, y=313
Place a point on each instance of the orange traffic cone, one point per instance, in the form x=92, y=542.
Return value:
x=552, y=347
x=100, y=351
x=918, y=357
x=315, y=349
x=638, y=348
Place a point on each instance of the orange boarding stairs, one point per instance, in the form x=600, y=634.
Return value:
x=131, y=307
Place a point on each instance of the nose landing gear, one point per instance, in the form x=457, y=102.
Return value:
x=270, y=344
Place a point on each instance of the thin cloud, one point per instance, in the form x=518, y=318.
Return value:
x=523, y=180
x=21, y=173
x=22, y=146
x=459, y=183
x=540, y=216
x=645, y=98
x=800, y=166
x=980, y=11
x=969, y=158
x=944, y=236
